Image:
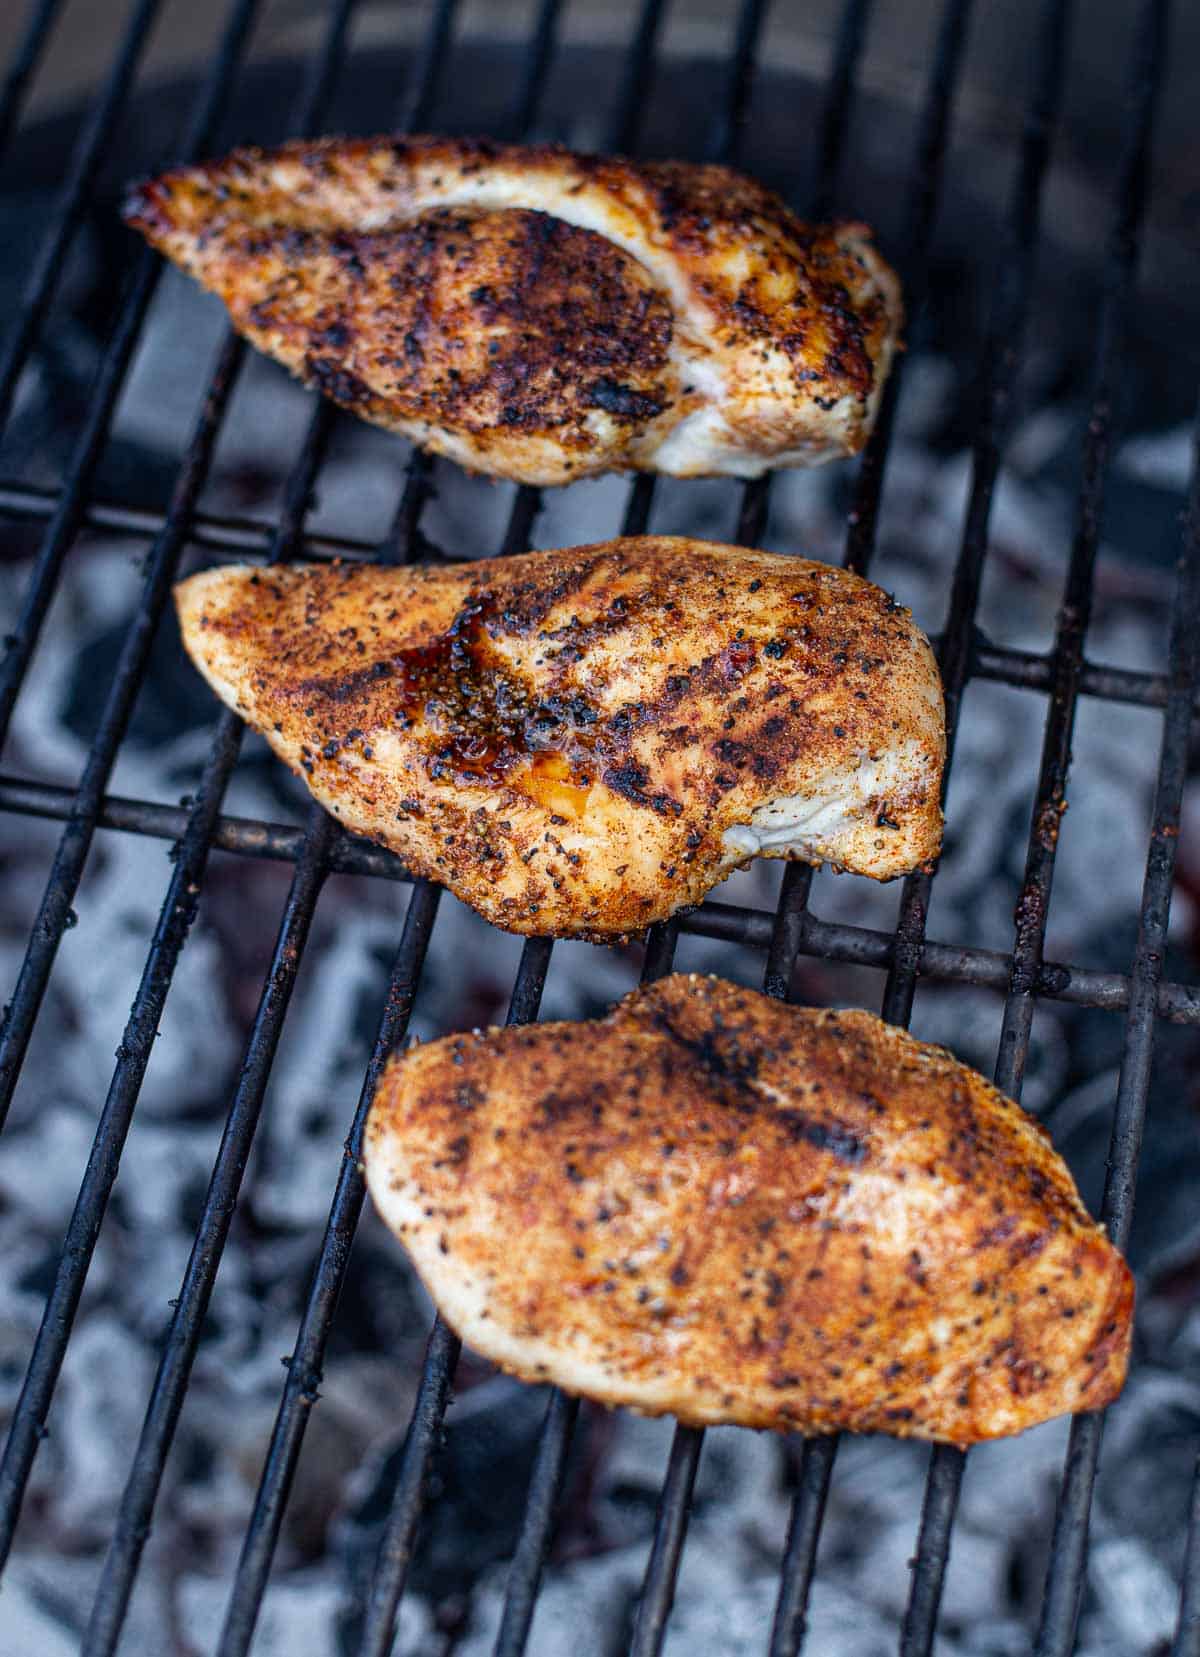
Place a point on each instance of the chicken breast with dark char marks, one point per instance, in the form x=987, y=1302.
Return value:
x=735, y=1210
x=580, y=742
x=542, y=315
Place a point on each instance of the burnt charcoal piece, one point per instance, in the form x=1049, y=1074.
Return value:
x=477, y=1496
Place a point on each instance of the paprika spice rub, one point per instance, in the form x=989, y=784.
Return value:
x=541, y=315
x=579, y=743
x=735, y=1210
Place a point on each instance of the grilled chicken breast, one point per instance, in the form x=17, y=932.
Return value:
x=580, y=742
x=542, y=315
x=739, y=1211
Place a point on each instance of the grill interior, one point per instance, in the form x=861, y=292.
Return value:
x=53, y=518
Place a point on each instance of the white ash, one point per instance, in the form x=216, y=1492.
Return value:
x=729, y=1577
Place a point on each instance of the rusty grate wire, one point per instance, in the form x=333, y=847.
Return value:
x=1063, y=675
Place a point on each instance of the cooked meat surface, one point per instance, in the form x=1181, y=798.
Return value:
x=739, y=1211
x=542, y=315
x=580, y=742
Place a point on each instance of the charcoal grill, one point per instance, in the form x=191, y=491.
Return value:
x=1141, y=996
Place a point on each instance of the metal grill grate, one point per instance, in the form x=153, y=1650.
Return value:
x=320, y=847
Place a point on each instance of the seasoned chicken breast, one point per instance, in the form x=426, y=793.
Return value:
x=542, y=315
x=740, y=1211
x=579, y=742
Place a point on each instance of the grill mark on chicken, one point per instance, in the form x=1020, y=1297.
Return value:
x=729, y=1072
x=539, y=314
x=517, y=351
x=569, y=739
x=740, y=1211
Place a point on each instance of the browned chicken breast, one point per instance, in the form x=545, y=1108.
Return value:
x=541, y=315
x=580, y=742
x=740, y=1211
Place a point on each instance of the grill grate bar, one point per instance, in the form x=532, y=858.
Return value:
x=405, y=540
x=999, y=370
x=538, y=1520
x=1064, y=1577
x=85, y=164
x=530, y=981
x=817, y=1457
x=562, y=1411
x=537, y=1524
x=537, y=65
x=639, y=66
x=71, y=505
x=518, y=536
x=1001, y=358
x=423, y=88
x=67, y=870
x=174, y=1372
x=174, y=924
x=550, y=1458
x=920, y=213
x=395, y=1549
x=675, y=1498
x=1023, y=669
x=726, y=138
x=237, y=537
x=1026, y=670
x=924, y=194
x=946, y=1464
x=55, y=909
x=23, y=63
x=246, y=836
x=675, y=1501
x=441, y=1358
x=1033, y=905
x=304, y=1369
x=754, y=928
x=170, y=936
x=408, y=1503
x=791, y=927
x=637, y=508
x=1187, y=1635
x=174, y=1369
x=670, y=1530
x=1000, y=363
x=838, y=106
x=949, y=963
x=938, y=1508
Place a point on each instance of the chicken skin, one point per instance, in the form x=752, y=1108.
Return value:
x=734, y=1210
x=541, y=315
x=578, y=743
